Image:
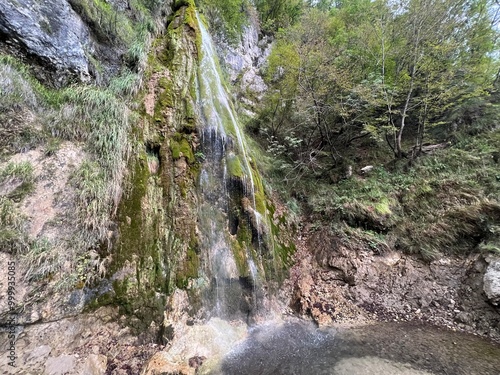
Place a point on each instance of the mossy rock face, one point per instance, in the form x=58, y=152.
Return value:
x=182, y=148
x=234, y=166
x=140, y=250
x=156, y=249
x=188, y=270
x=183, y=3
x=166, y=99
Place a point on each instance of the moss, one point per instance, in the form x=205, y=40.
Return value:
x=285, y=254
x=190, y=17
x=182, y=148
x=130, y=217
x=188, y=270
x=183, y=188
x=239, y=253
x=183, y=3
x=260, y=202
x=382, y=207
x=234, y=166
x=167, y=97
x=260, y=196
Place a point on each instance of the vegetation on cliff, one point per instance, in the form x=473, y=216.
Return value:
x=409, y=89
x=64, y=150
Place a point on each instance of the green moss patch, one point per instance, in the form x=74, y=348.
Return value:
x=182, y=148
x=234, y=166
x=188, y=269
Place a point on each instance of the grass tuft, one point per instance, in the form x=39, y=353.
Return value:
x=12, y=227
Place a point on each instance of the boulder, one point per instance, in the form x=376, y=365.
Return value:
x=49, y=32
x=492, y=281
x=61, y=365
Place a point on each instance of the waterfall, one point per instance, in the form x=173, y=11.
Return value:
x=229, y=217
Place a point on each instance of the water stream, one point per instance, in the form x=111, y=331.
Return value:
x=299, y=348
x=228, y=217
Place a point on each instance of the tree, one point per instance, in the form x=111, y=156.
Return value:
x=433, y=55
x=392, y=69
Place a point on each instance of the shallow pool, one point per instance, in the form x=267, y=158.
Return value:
x=405, y=349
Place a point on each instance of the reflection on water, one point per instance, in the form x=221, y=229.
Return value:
x=404, y=349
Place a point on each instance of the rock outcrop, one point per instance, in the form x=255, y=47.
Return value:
x=343, y=283
x=49, y=33
x=244, y=61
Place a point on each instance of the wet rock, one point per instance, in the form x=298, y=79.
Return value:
x=51, y=32
x=393, y=286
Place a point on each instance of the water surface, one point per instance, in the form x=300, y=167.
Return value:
x=405, y=349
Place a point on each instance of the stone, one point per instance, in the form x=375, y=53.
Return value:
x=367, y=169
x=245, y=60
x=491, y=281
x=39, y=354
x=160, y=363
x=61, y=365
x=94, y=365
x=196, y=361
x=49, y=30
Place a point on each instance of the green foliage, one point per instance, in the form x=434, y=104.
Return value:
x=387, y=73
x=107, y=23
x=447, y=203
x=41, y=259
x=52, y=146
x=12, y=223
x=226, y=16
x=102, y=121
x=15, y=89
x=278, y=14
x=93, y=201
x=126, y=84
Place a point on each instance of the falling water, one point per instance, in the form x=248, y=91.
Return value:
x=226, y=183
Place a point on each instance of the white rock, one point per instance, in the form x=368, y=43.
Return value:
x=492, y=282
x=61, y=365
x=366, y=169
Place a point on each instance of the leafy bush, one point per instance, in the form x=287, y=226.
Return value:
x=447, y=203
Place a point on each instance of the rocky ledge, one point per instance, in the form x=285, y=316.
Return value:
x=335, y=283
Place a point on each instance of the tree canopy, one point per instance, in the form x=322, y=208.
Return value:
x=397, y=73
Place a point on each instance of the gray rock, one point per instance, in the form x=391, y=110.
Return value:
x=61, y=365
x=492, y=282
x=50, y=31
x=245, y=60
x=39, y=354
x=367, y=169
